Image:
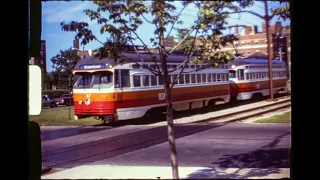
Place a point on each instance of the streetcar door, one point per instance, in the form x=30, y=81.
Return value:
x=122, y=80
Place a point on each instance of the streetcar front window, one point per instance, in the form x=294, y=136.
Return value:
x=95, y=80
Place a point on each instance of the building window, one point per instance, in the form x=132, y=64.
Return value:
x=41, y=61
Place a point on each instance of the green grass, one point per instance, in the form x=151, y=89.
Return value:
x=60, y=117
x=281, y=118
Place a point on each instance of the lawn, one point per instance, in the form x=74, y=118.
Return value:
x=281, y=118
x=60, y=117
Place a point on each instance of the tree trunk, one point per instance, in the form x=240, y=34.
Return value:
x=167, y=90
x=169, y=116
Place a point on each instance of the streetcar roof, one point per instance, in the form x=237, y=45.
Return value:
x=173, y=58
x=238, y=62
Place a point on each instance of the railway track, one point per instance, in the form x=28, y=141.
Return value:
x=250, y=112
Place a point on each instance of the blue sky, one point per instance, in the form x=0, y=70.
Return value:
x=53, y=13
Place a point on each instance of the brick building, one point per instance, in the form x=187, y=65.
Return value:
x=41, y=60
x=252, y=41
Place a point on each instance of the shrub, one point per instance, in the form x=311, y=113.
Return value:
x=55, y=93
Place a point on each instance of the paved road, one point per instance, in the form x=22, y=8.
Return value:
x=236, y=145
x=56, y=132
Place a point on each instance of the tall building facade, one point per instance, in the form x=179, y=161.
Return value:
x=41, y=60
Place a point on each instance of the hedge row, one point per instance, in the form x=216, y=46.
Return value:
x=55, y=93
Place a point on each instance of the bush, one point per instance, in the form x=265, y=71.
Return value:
x=55, y=93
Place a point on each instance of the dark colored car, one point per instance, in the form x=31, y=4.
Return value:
x=65, y=99
x=48, y=101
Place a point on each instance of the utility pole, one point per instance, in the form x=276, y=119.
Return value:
x=267, y=18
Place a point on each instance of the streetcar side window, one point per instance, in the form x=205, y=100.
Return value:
x=223, y=78
x=187, y=78
x=214, y=77
x=240, y=74
x=125, y=78
x=121, y=78
x=209, y=77
x=198, y=78
x=181, y=79
x=136, y=81
x=193, y=78
x=174, y=79
x=153, y=80
x=160, y=78
x=204, y=78
x=218, y=77
x=145, y=80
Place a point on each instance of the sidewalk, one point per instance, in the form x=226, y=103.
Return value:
x=156, y=172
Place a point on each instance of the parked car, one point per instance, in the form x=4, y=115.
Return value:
x=65, y=99
x=48, y=101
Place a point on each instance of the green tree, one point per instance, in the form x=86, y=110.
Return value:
x=124, y=17
x=63, y=64
x=47, y=80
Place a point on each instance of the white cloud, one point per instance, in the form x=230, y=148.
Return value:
x=59, y=12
